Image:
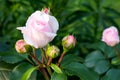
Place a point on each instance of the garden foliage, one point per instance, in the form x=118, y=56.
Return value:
x=91, y=59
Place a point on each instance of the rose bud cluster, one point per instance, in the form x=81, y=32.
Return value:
x=68, y=42
x=22, y=47
x=52, y=51
x=110, y=36
x=40, y=29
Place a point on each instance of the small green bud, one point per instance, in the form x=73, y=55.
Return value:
x=52, y=51
x=68, y=42
x=22, y=47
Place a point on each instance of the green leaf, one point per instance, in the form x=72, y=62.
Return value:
x=12, y=59
x=5, y=75
x=8, y=52
x=101, y=66
x=20, y=69
x=97, y=61
x=115, y=61
x=6, y=66
x=4, y=47
x=81, y=71
x=109, y=51
x=28, y=73
x=58, y=76
x=12, y=56
x=5, y=70
x=71, y=58
x=114, y=13
x=56, y=68
x=112, y=74
x=93, y=58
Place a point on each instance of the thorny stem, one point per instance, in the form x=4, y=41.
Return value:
x=49, y=61
x=34, y=52
x=44, y=73
x=41, y=65
x=60, y=59
x=44, y=57
x=35, y=58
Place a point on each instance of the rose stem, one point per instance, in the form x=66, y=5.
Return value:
x=42, y=59
x=117, y=52
x=44, y=55
x=60, y=59
x=49, y=61
x=34, y=52
x=46, y=60
x=44, y=73
x=35, y=58
x=41, y=69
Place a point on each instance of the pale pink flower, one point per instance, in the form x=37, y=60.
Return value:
x=40, y=28
x=110, y=36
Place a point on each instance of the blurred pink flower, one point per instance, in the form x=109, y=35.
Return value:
x=40, y=28
x=110, y=36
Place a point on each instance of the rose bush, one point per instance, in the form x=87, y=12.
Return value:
x=110, y=36
x=40, y=28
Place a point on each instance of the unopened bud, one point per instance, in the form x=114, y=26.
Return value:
x=46, y=10
x=22, y=47
x=68, y=42
x=52, y=51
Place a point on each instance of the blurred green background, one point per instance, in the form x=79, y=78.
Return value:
x=85, y=19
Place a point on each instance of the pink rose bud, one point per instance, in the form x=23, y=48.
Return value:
x=40, y=29
x=46, y=10
x=68, y=42
x=22, y=47
x=110, y=36
x=52, y=51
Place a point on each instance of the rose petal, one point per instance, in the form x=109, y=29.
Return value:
x=40, y=29
x=53, y=23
